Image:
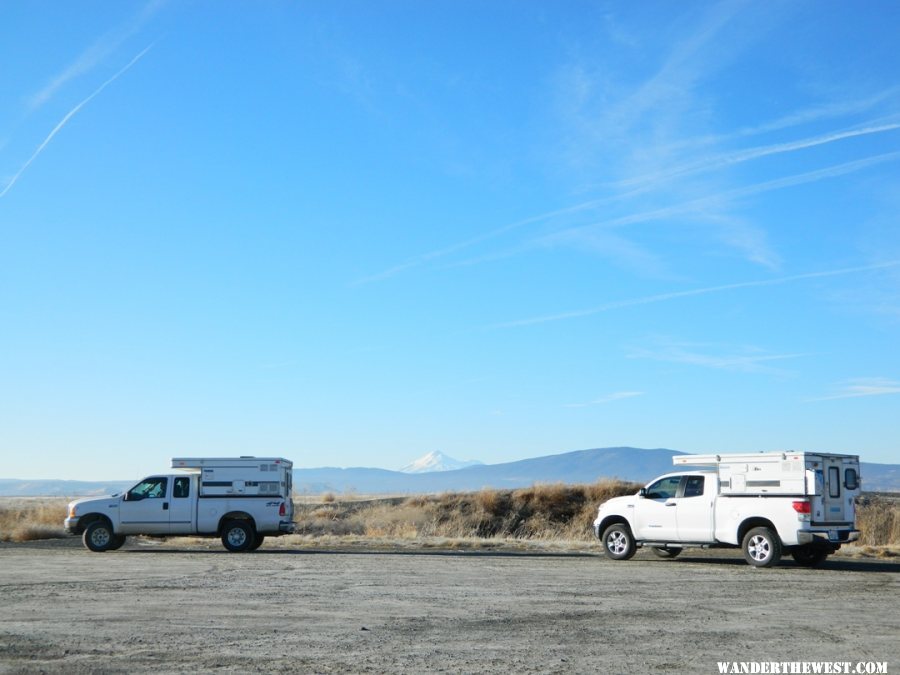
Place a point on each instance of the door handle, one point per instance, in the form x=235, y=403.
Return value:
x=165, y=506
x=671, y=504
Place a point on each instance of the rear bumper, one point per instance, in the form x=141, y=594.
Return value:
x=832, y=536
x=287, y=527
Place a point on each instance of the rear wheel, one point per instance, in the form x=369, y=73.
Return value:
x=618, y=543
x=666, y=552
x=809, y=555
x=762, y=547
x=257, y=542
x=98, y=536
x=238, y=536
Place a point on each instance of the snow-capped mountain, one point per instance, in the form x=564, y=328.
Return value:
x=436, y=461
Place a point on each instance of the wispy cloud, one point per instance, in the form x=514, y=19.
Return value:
x=743, y=237
x=674, y=295
x=615, y=396
x=91, y=57
x=812, y=114
x=716, y=357
x=702, y=204
x=874, y=386
x=69, y=116
x=721, y=161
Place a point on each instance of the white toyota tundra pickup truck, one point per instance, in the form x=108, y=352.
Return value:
x=240, y=499
x=766, y=503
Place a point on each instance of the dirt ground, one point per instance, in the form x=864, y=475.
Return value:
x=196, y=608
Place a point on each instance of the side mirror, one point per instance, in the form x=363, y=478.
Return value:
x=643, y=492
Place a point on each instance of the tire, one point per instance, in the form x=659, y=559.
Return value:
x=98, y=536
x=809, y=555
x=666, y=552
x=238, y=536
x=618, y=543
x=257, y=542
x=118, y=541
x=762, y=547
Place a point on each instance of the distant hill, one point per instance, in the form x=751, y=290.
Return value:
x=437, y=461
x=59, y=488
x=581, y=466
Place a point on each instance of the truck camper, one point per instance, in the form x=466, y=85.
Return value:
x=766, y=503
x=243, y=500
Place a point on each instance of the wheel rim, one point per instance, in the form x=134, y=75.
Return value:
x=100, y=537
x=759, y=548
x=237, y=536
x=617, y=543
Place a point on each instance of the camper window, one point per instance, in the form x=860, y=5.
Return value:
x=834, y=481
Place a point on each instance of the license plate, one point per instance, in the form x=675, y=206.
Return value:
x=832, y=534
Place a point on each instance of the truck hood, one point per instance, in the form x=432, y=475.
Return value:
x=93, y=502
x=617, y=503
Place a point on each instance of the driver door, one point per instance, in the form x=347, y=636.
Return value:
x=145, y=507
x=654, y=511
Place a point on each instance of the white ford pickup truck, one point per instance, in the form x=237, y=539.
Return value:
x=766, y=503
x=240, y=499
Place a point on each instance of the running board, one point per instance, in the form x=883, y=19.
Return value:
x=680, y=544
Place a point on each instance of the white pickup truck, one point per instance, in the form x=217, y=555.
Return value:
x=766, y=503
x=240, y=499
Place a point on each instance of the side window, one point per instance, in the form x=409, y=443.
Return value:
x=834, y=481
x=664, y=488
x=182, y=487
x=693, y=486
x=851, y=479
x=152, y=488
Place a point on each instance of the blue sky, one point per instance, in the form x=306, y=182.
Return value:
x=351, y=233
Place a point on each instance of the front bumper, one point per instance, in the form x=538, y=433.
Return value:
x=832, y=536
x=71, y=525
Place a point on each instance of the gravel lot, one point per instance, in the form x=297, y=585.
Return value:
x=194, y=608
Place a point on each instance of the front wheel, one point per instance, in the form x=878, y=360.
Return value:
x=666, y=552
x=118, y=541
x=618, y=543
x=238, y=536
x=809, y=555
x=762, y=547
x=98, y=537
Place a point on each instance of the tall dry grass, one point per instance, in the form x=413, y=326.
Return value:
x=878, y=519
x=29, y=519
x=541, y=513
x=554, y=511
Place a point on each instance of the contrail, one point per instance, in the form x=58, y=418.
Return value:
x=633, y=302
x=69, y=116
x=789, y=181
x=737, y=193
x=756, y=153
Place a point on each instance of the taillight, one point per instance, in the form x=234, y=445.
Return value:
x=802, y=506
x=282, y=511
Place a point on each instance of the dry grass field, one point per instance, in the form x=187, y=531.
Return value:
x=534, y=515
